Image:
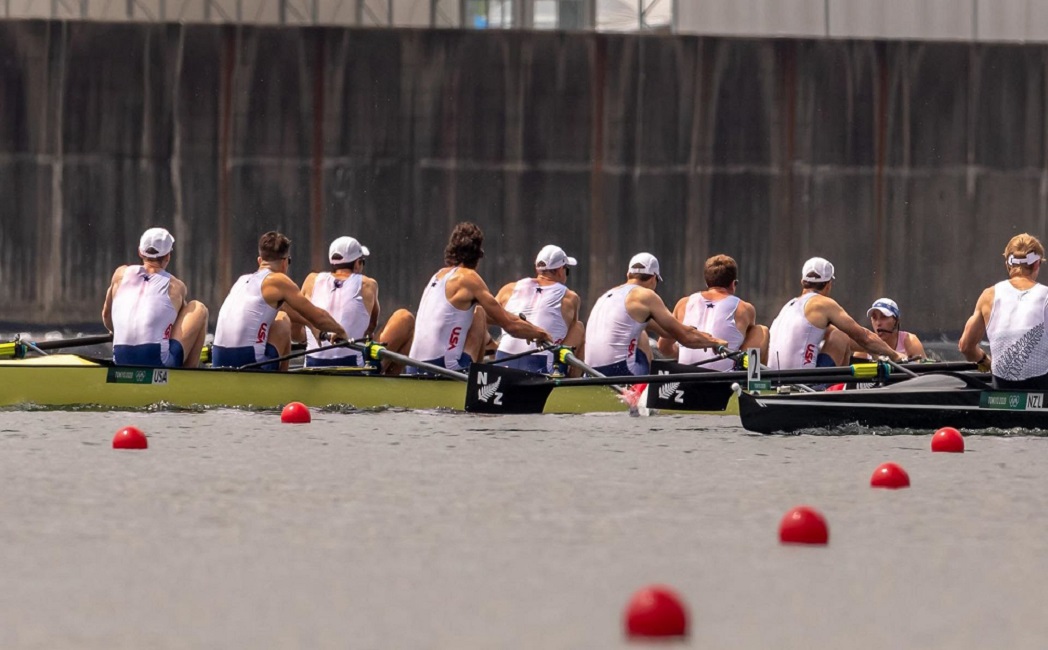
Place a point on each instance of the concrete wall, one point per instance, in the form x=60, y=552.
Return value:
x=907, y=164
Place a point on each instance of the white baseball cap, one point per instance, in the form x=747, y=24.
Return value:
x=886, y=306
x=645, y=263
x=155, y=242
x=345, y=250
x=553, y=257
x=817, y=269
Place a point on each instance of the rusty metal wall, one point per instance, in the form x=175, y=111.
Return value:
x=907, y=164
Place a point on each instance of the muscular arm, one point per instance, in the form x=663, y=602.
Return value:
x=505, y=293
x=975, y=328
x=864, y=338
x=107, y=307
x=376, y=308
x=689, y=337
x=177, y=292
x=746, y=321
x=277, y=287
x=667, y=344
x=914, y=347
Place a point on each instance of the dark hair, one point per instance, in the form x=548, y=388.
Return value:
x=464, y=246
x=348, y=265
x=643, y=277
x=720, y=271
x=273, y=246
x=817, y=286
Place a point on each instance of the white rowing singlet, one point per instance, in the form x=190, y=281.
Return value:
x=612, y=334
x=794, y=341
x=245, y=317
x=541, y=306
x=440, y=327
x=341, y=299
x=142, y=309
x=717, y=318
x=1018, y=346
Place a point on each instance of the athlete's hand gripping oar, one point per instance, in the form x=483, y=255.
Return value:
x=377, y=351
x=16, y=349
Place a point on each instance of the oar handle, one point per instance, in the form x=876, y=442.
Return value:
x=17, y=349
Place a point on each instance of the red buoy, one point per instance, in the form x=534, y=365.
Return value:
x=804, y=525
x=295, y=413
x=130, y=438
x=656, y=611
x=891, y=476
x=948, y=439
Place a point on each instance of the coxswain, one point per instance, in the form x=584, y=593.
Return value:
x=146, y=309
x=617, y=334
x=812, y=330
x=254, y=323
x=884, y=321
x=723, y=314
x=1011, y=315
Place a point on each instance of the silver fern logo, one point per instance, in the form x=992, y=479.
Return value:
x=670, y=391
x=490, y=391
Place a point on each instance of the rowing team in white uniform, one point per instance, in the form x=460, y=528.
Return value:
x=154, y=324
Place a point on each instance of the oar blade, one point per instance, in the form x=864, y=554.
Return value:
x=494, y=389
x=706, y=395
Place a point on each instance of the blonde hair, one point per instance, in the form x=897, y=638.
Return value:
x=1020, y=246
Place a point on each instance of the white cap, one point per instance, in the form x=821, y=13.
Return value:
x=553, y=257
x=155, y=242
x=645, y=263
x=347, y=250
x=886, y=306
x=817, y=269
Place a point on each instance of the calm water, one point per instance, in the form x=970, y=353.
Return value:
x=414, y=530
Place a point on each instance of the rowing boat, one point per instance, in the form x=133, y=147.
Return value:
x=926, y=402
x=70, y=381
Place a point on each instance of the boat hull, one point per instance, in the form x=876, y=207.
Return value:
x=66, y=381
x=896, y=407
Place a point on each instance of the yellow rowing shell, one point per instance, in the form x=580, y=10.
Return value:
x=70, y=381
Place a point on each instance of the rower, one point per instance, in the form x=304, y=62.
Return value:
x=812, y=330
x=1011, y=314
x=616, y=339
x=452, y=324
x=884, y=321
x=545, y=301
x=720, y=312
x=349, y=296
x=254, y=323
x=146, y=310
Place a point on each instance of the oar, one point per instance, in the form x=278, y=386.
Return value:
x=16, y=349
x=545, y=347
x=377, y=351
x=629, y=395
x=294, y=355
